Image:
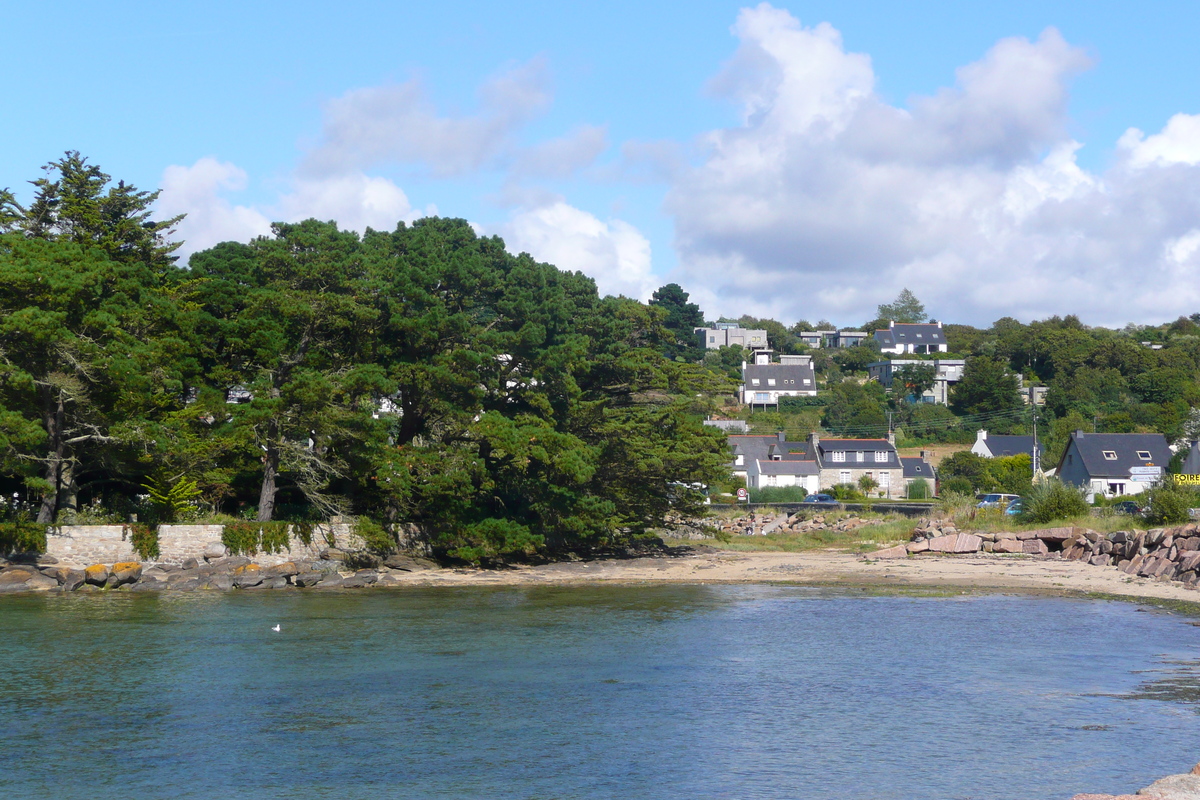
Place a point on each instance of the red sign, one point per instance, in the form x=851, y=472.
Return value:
x=742, y=494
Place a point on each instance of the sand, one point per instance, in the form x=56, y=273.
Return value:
x=824, y=568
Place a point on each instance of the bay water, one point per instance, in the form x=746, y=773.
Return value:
x=592, y=693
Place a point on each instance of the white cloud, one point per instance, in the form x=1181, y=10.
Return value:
x=826, y=201
x=379, y=125
x=614, y=253
x=1179, y=143
x=211, y=219
x=564, y=156
x=354, y=200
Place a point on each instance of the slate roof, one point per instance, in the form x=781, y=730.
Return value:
x=907, y=333
x=1011, y=445
x=1091, y=446
x=788, y=467
x=850, y=446
x=780, y=372
x=915, y=467
x=758, y=447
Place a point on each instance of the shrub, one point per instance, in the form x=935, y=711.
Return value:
x=918, y=489
x=846, y=493
x=1168, y=506
x=22, y=537
x=1053, y=500
x=779, y=494
x=957, y=485
x=144, y=539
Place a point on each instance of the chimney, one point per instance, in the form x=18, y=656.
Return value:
x=891, y=437
x=814, y=439
x=891, y=323
x=981, y=435
x=1078, y=434
x=782, y=435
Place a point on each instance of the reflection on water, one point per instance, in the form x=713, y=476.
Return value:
x=601, y=692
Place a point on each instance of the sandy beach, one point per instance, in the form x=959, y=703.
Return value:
x=826, y=568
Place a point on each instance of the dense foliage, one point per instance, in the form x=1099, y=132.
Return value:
x=423, y=375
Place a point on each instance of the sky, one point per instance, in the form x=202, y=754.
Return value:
x=793, y=160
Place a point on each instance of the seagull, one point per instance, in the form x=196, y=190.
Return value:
x=276, y=629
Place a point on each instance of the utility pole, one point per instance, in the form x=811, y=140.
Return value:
x=1035, y=460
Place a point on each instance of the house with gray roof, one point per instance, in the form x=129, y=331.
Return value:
x=764, y=381
x=918, y=468
x=996, y=446
x=1114, y=464
x=903, y=337
x=816, y=464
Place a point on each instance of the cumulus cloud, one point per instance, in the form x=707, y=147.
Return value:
x=379, y=125
x=614, y=253
x=197, y=192
x=564, y=156
x=356, y=201
x=825, y=201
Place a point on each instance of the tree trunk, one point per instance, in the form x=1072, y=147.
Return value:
x=52, y=418
x=266, y=496
x=68, y=489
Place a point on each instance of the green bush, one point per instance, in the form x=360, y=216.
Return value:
x=1168, y=505
x=22, y=537
x=846, y=493
x=1053, y=500
x=144, y=539
x=779, y=494
x=918, y=489
x=957, y=485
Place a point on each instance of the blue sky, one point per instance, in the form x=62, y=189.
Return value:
x=797, y=160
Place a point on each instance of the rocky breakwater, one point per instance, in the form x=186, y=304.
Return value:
x=216, y=570
x=764, y=524
x=1165, y=554
x=1172, y=787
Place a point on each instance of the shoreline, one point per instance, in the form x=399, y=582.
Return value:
x=828, y=568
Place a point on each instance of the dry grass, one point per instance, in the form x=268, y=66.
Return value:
x=936, y=452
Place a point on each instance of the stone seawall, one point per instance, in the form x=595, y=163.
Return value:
x=81, y=545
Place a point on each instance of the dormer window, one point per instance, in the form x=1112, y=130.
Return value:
x=1110, y=455
x=860, y=455
x=881, y=456
x=1144, y=455
x=837, y=455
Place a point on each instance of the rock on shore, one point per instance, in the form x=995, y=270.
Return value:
x=216, y=571
x=1172, y=787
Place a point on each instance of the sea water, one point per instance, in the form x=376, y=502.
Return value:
x=589, y=693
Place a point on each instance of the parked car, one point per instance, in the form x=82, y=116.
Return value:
x=1015, y=507
x=996, y=500
x=1127, y=507
x=823, y=499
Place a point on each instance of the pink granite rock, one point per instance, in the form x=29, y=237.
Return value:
x=918, y=547
x=1035, y=547
x=899, y=551
x=956, y=543
x=1009, y=546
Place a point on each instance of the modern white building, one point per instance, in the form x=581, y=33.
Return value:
x=764, y=381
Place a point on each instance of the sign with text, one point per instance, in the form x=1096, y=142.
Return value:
x=742, y=495
x=1148, y=472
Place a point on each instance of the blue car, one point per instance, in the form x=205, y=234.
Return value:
x=823, y=499
x=1015, y=507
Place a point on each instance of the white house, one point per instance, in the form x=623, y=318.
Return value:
x=1114, y=464
x=903, y=337
x=947, y=371
x=764, y=381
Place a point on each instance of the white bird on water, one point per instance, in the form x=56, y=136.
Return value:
x=276, y=629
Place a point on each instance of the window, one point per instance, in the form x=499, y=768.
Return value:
x=712, y=340
x=860, y=455
x=1144, y=455
x=881, y=456
x=885, y=480
x=740, y=462
x=1110, y=455
x=762, y=397
x=807, y=381
x=770, y=381
x=844, y=476
x=772, y=480
x=754, y=381
x=920, y=335
x=837, y=455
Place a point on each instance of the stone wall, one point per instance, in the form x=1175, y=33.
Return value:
x=90, y=544
x=82, y=545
